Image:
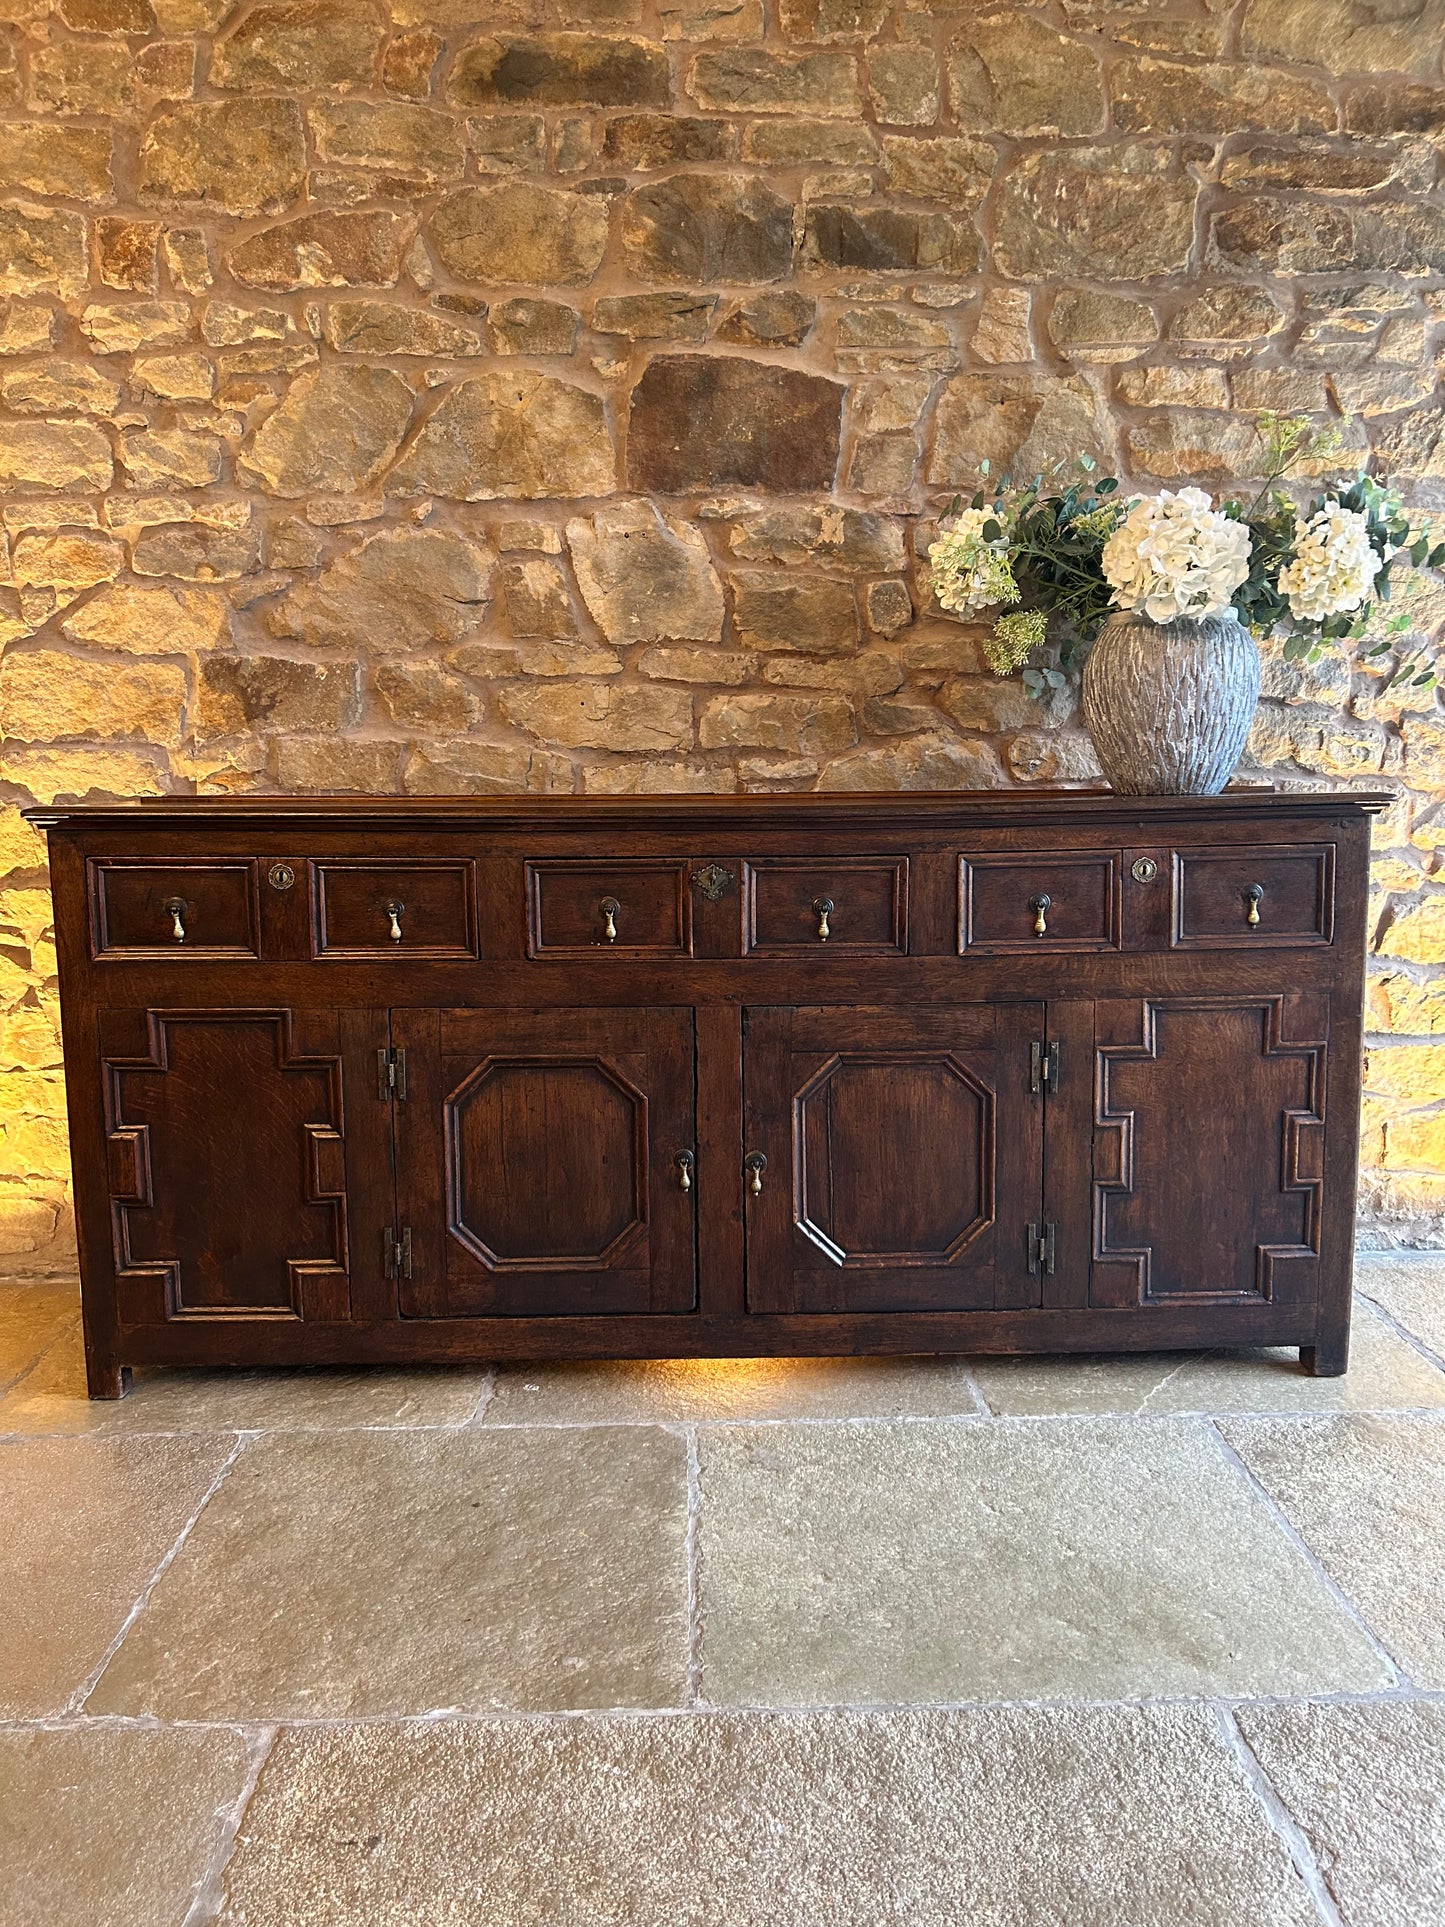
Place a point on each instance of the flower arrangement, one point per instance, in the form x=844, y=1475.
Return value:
x=1061, y=560
x=1176, y=556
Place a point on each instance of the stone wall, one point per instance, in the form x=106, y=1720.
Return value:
x=475, y=395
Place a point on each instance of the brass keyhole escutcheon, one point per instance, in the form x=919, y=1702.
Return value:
x=175, y=909
x=280, y=876
x=1254, y=896
x=1144, y=869
x=1041, y=906
x=684, y=1162
x=394, y=911
x=611, y=910
x=822, y=910
x=755, y=1163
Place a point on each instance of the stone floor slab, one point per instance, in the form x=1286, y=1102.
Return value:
x=1009, y=1560
x=1411, y=1288
x=703, y=1389
x=1385, y=1374
x=111, y=1826
x=1367, y=1494
x=401, y=1571
x=997, y=1818
x=86, y=1523
x=52, y=1398
x=1366, y=1785
x=34, y=1314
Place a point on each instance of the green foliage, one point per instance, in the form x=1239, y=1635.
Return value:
x=1055, y=545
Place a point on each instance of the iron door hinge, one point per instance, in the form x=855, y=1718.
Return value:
x=1044, y=1067
x=390, y=1074
x=1042, y=1248
x=396, y=1252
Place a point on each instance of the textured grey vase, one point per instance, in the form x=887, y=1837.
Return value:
x=1169, y=704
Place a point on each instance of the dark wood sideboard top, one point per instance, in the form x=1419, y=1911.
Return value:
x=936, y=808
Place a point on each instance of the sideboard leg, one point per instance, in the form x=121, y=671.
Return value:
x=1326, y=1358
x=105, y=1378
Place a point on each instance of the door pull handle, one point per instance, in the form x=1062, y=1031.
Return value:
x=755, y=1164
x=684, y=1162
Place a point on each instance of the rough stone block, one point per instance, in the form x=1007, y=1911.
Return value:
x=301, y=43
x=519, y=231
x=523, y=436
x=1022, y=424
x=41, y=157
x=404, y=589
x=756, y=80
x=1110, y=213
x=333, y=248
x=54, y=455
x=561, y=70
x=246, y=157
x=644, y=579
x=706, y=228
x=698, y=421
x=1011, y=73
x=46, y=694
x=337, y=429
x=401, y=138
x=815, y=615
x=593, y=715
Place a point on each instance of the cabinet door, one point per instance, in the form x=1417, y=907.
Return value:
x=904, y=1157
x=538, y=1162
x=231, y=1169
x=1208, y=1148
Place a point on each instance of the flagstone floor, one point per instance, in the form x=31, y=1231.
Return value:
x=930, y=1643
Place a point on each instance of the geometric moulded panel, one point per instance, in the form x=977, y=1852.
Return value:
x=1208, y=1149
x=546, y=1163
x=893, y=1156
x=225, y=1143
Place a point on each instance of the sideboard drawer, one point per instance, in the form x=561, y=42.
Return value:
x=1264, y=894
x=181, y=907
x=630, y=906
x=836, y=903
x=418, y=907
x=1044, y=902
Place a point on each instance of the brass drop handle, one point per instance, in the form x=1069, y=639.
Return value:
x=175, y=909
x=822, y=910
x=755, y=1164
x=611, y=910
x=393, y=913
x=684, y=1162
x=1041, y=906
x=1254, y=896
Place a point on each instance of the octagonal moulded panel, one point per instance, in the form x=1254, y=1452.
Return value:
x=546, y=1163
x=893, y=1158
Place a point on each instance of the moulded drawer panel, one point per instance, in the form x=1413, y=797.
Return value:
x=627, y=906
x=181, y=907
x=1262, y=894
x=416, y=907
x=827, y=904
x=1044, y=902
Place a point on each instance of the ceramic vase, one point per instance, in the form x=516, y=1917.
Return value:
x=1169, y=704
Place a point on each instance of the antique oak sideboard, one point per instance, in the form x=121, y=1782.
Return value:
x=521, y=1077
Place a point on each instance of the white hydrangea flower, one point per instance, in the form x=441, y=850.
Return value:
x=1334, y=565
x=1176, y=555
x=968, y=572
